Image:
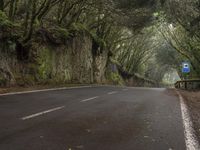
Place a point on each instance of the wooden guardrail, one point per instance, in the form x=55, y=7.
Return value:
x=192, y=84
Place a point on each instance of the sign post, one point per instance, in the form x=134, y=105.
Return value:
x=185, y=68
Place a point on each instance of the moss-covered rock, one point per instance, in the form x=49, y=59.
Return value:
x=69, y=62
x=114, y=78
x=44, y=64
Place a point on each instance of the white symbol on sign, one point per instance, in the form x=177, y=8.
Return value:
x=186, y=66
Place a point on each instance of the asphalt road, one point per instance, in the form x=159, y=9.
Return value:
x=92, y=118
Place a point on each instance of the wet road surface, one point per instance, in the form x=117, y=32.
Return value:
x=92, y=118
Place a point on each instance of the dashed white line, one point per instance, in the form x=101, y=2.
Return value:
x=89, y=99
x=42, y=113
x=114, y=92
x=125, y=90
x=190, y=137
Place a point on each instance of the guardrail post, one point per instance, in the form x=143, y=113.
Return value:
x=185, y=85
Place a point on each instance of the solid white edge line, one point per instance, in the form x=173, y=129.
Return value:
x=42, y=113
x=65, y=88
x=45, y=90
x=114, y=92
x=190, y=137
x=89, y=99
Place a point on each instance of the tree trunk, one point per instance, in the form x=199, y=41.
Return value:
x=30, y=25
x=11, y=10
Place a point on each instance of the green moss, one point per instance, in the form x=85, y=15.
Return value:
x=63, y=32
x=115, y=78
x=59, y=32
x=114, y=61
x=67, y=75
x=78, y=27
x=98, y=40
x=44, y=61
x=2, y=81
x=82, y=28
x=52, y=66
x=5, y=22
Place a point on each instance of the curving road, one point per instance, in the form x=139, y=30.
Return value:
x=92, y=118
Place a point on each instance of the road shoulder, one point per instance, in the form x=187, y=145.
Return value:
x=192, y=100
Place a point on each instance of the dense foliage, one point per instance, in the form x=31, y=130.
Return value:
x=149, y=37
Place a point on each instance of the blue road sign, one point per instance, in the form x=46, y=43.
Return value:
x=185, y=67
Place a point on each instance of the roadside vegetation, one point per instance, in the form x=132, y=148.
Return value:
x=97, y=41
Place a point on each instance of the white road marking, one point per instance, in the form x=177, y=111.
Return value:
x=125, y=90
x=89, y=99
x=42, y=113
x=190, y=137
x=114, y=92
x=44, y=90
